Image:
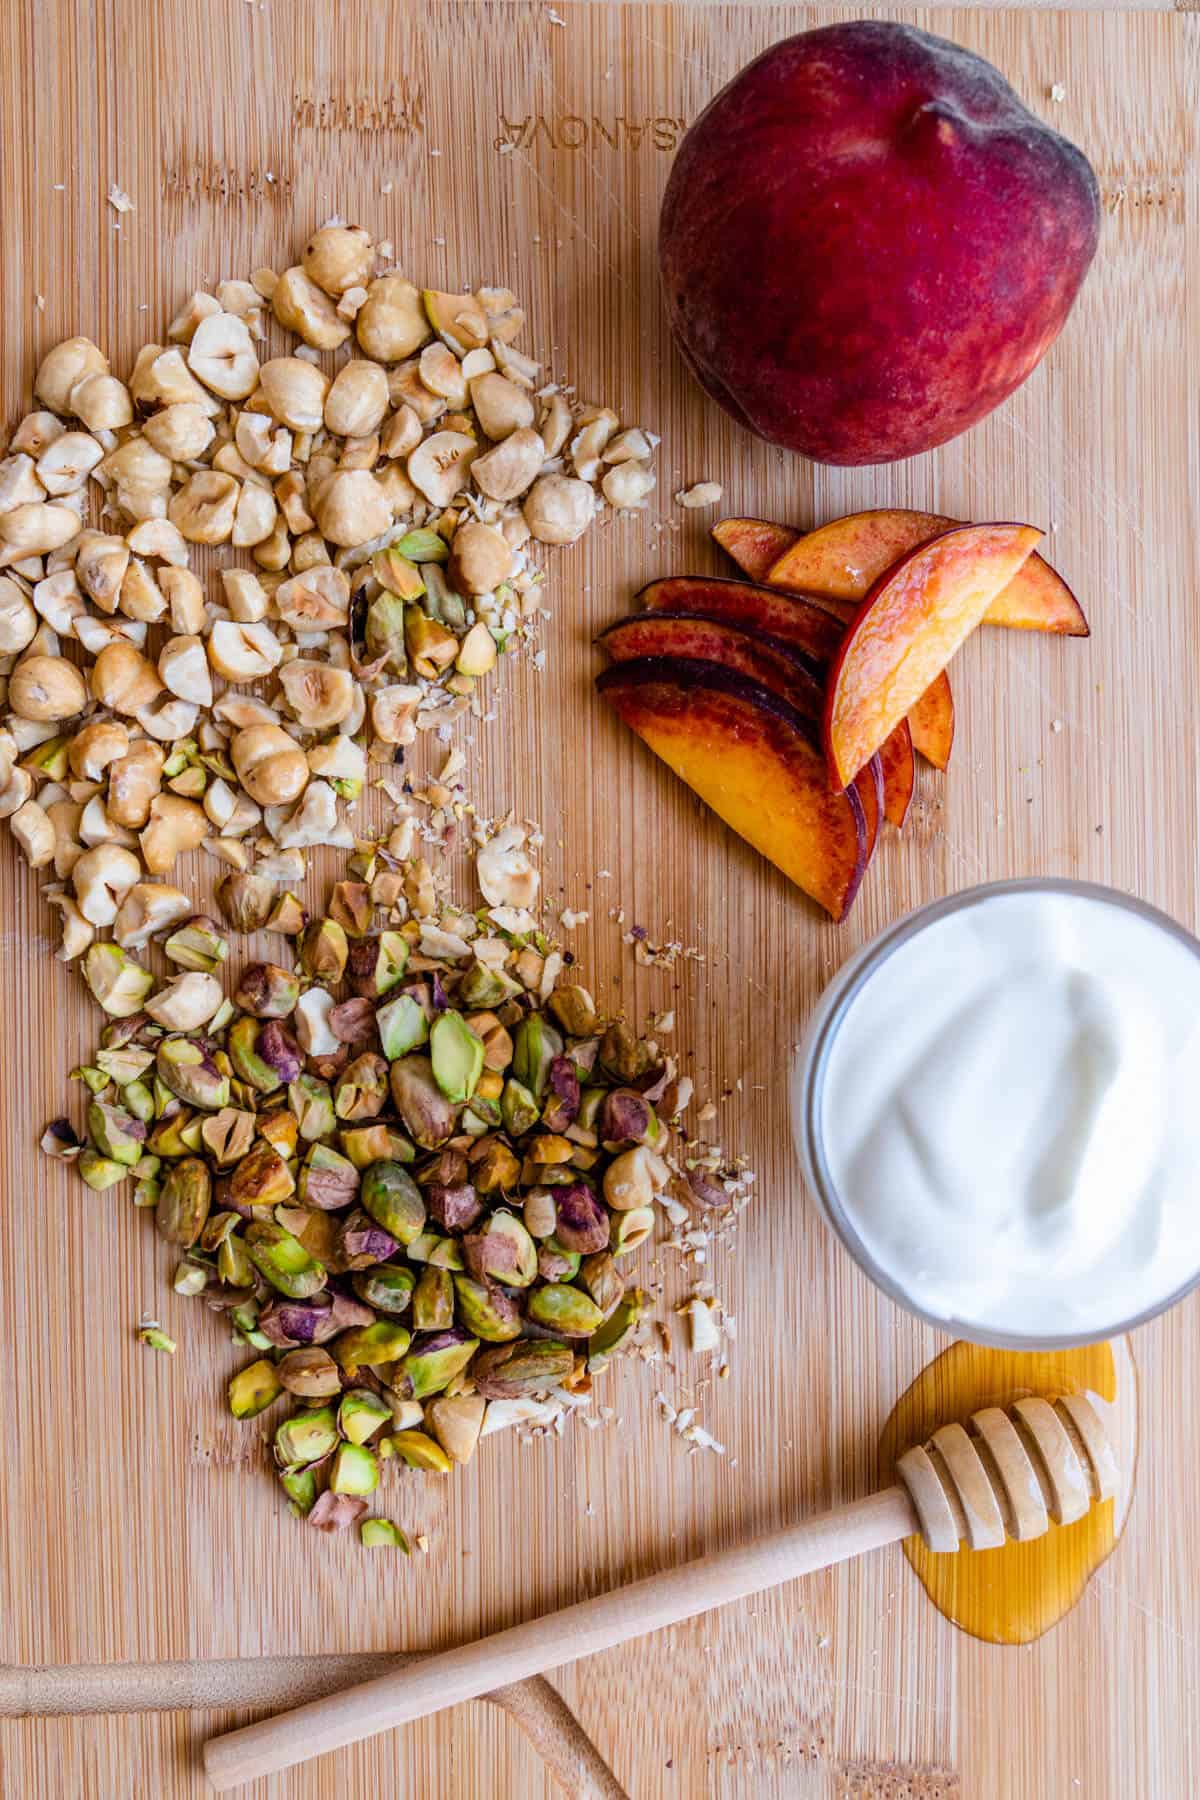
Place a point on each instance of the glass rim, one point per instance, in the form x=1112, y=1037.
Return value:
x=812, y=1062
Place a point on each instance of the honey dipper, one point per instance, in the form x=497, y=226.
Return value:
x=1008, y=1472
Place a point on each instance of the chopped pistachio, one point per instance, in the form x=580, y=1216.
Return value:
x=197, y=945
x=155, y=1338
x=500, y=1249
x=361, y=1414
x=532, y=1366
x=305, y=1438
x=350, y=907
x=283, y=1261
x=287, y=916
x=381, y=1534
x=433, y=1362
x=365, y=1144
x=402, y=1026
x=563, y=1308
x=420, y=1452
x=118, y=982
x=608, y=1338
x=535, y=1046
x=422, y=546
x=631, y=1229
x=184, y=1202
x=300, y=1486
x=252, y=1390
x=456, y=1056
x=371, y=1346
x=100, y=1172
x=125, y=1063
x=115, y=1132
x=390, y=1288
x=311, y=1101
x=190, y=1277
x=323, y=950
x=432, y=1300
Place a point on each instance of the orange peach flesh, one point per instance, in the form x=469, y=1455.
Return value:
x=734, y=753
x=908, y=629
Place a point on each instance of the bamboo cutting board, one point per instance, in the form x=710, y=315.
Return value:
x=529, y=146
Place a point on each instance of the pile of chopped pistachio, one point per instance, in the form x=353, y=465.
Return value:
x=408, y=1169
x=375, y=492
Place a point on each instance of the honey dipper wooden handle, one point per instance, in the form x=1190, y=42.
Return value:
x=562, y=1637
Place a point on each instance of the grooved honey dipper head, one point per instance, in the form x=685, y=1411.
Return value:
x=1009, y=1471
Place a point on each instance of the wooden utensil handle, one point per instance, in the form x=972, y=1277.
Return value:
x=54, y=1691
x=581, y=1630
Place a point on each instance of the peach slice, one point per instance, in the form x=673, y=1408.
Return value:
x=751, y=757
x=846, y=557
x=791, y=673
x=899, y=773
x=911, y=623
x=792, y=618
x=792, y=625
x=755, y=545
x=931, y=722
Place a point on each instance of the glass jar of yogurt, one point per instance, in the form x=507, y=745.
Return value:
x=997, y=1107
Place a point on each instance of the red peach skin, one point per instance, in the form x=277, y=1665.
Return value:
x=907, y=630
x=794, y=618
x=750, y=756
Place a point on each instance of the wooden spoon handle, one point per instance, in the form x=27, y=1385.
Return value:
x=581, y=1630
x=538, y=1709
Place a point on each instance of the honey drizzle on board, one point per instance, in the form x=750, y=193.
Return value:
x=1015, y=1594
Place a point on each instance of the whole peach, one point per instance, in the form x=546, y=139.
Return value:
x=867, y=242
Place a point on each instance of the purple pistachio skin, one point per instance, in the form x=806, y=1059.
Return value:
x=279, y=1050
x=624, y=1117
x=291, y=1322
x=362, y=1240
x=454, y=1208
x=582, y=1222
x=562, y=1107
x=706, y=1191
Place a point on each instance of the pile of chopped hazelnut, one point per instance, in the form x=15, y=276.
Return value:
x=382, y=486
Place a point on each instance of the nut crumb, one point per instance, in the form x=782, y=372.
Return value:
x=1058, y=92
x=119, y=200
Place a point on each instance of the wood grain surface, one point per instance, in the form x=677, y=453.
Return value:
x=495, y=142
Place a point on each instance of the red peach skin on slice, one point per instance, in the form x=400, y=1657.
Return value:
x=784, y=624
x=908, y=628
x=751, y=757
x=931, y=721
x=846, y=557
x=788, y=670
x=804, y=623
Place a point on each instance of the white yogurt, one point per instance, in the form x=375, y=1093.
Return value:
x=1010, y=1114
